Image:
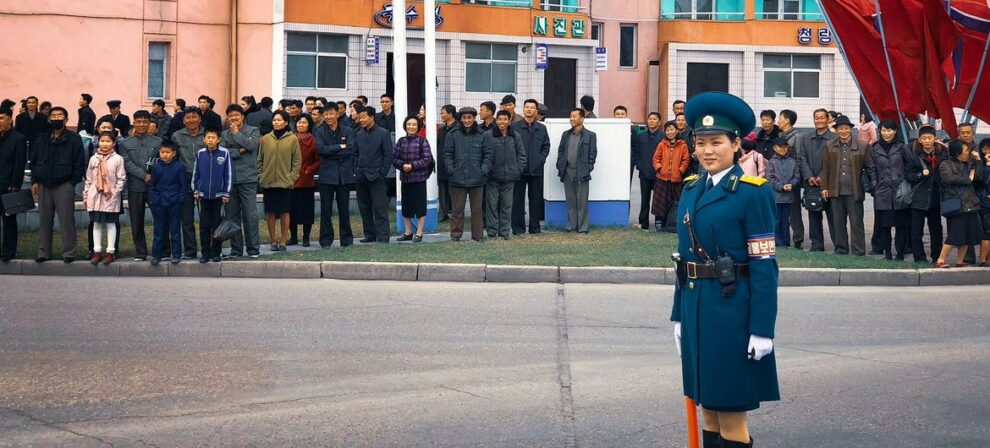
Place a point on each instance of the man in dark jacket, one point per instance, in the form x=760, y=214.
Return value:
x=138, y=150
x=846, y=158
x=448, y=118
x=87, y=118
x=576, y=155
x=262, y=118
x=242, y=141
x=386, y=118
x=177, y=118
x=335, y=143
x=922, y=172
x=811, y=170
x=468, y=155
x=643, y=150
x=795, y=140
x=161, y=118
x=121, y=122
x=211, y=119
x=536, y=140
x=13, y=156
x=768, y=133
x=31, y=123
x=508, y=162
x=58, y=163
x=373, y=146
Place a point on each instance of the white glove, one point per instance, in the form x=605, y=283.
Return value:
x=759, y=347
x=677, y=337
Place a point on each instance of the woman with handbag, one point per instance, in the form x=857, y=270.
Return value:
x=960, y=205
x=414, y=160
x=889, y=161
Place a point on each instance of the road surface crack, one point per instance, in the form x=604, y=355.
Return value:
x=465, y=392
x=55, y=426
x=569, y=436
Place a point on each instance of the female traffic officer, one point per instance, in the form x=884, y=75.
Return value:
x=725, y=300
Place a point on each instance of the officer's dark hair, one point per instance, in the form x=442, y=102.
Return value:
x=59, y=108
x=620, y=107
x=266, y=102
x=579, y=110
x=490, y=105
x=142, y=114
x=181, y=103
x=653, y=114
x=234, y=108
x=160, y=103
x=450, y=109
x=588, y=103
x=503, y=113
x=532, y=100
x=87, y=98
x=769, y=113
x=790, y=115
x=956, y=147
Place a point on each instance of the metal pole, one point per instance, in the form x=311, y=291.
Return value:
x=842, y=52
x=890, y=72
x=430, y=108
x=399, y=106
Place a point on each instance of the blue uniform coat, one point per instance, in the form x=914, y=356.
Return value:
x=715, y=330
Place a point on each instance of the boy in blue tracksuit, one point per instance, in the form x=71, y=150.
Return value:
x=167, y=190
x=213, y=174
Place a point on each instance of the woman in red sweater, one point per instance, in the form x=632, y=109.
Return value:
x=304, y=190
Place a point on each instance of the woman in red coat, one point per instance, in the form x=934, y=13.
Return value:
x=304, y=190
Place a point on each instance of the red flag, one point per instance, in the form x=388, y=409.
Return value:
x=972, y=21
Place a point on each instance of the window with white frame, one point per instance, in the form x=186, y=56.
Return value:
x=316, y=61
x=490, y=67
x=782, y=9
x=694, y=9
x=792, y=75
x=627, y=46
x=157, y=69
x=596, y=33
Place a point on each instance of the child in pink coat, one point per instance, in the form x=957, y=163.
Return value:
x=105, y=179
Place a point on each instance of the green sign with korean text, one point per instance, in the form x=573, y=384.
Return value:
x=540, y=25
x=559, y=26
x=577, y=28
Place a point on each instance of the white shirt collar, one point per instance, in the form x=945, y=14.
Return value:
x=717, y=177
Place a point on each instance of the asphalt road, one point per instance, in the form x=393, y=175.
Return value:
x=240, y=362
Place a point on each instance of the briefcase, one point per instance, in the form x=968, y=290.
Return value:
x=17, y=202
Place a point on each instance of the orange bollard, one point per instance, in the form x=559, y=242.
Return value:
x=692, y=423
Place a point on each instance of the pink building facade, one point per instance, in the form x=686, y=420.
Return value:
x=137, y=51
x=627, y=81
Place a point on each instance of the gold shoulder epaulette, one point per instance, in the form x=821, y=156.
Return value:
x=753, y=180
x=691, y=178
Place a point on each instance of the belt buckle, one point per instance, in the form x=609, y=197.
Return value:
x=692, y=270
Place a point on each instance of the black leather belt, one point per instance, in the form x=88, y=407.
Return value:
x=707, y=270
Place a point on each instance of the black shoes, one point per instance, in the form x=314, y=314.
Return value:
x=40, y=260
x=155, y=261
x=417, y=238
x=405, y=237
x=368, y=240
x=204, y=259
x=734, y=444
x=215, y=259
x=68, y=260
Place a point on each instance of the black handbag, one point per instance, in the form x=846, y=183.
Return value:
x=869, y=184
x=17, y=202
x=951, y=207
x=227, y=229
x=812, y=200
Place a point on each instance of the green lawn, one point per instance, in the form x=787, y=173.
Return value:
x=601, y=247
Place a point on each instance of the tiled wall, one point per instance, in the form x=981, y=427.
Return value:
x=370, y=80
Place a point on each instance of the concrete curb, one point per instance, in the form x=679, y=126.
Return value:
x=440, y=272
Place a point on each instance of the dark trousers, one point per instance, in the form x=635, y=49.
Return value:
x=243, y=205
x=458, y=197
x=8, y=242
x=899, y=241
x=646, y=202
x=533, y=185
x=576, y=197
x=56, y=201
x=816, y=230
x=850, y=239
x=783, y=225
x=189, y=227
x=797, y=219
x=210, y=212
x=136, y=200
x=498, y=208
x=443, y=199
x=168, y=227
x=918, y=219
x=876, y=241
x=373, y=200
x=342, y=195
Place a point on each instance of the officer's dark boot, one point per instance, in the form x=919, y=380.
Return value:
x=734, y=444
x=710, y=439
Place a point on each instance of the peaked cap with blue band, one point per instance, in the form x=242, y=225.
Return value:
x=712, y=113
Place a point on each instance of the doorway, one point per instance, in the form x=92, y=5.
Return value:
x=560, y=87
x=415, y=81
x=704, y=77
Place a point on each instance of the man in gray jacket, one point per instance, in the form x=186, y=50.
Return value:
x=188, y=141
x=137, y=151
x=795, y=140
x=508, y=162
x=811, y=171
x=576, y=157
x=242, y=142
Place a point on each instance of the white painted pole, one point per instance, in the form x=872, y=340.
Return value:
x=399, y=96
x=430, y=56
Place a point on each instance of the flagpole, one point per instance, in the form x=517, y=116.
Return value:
x=842, y=52
x=890, y=71
x=979, y=75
